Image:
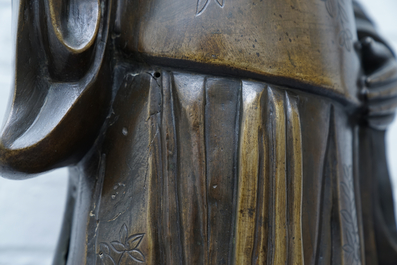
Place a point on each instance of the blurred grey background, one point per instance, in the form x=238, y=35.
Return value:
x=31, y=210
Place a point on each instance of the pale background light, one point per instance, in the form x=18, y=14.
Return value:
x=31, y=210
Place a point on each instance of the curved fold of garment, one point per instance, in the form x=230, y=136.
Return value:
x=52, y=122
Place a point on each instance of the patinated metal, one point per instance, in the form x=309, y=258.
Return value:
x=207, y=131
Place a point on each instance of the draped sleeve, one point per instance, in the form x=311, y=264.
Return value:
x=61, y=85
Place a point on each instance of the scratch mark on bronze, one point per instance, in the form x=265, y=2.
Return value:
x=114, y=218
x=203, y=4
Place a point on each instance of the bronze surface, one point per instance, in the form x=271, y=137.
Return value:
x=208, y=131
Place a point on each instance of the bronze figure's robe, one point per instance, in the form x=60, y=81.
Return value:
x=207, y=131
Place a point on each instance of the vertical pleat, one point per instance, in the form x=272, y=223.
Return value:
x=277, y=160
x=328, y=250
x=294, y=177
x=269, y=199
x=262, y=218
x=314, y=117
x=218, y=175
x=251, y=127
x=171, y=225
x=128, y=208
x=154, y=170
x=221, y=114
x=192, y=191
x=344, y=200
x=227, y=157
x=332, y=180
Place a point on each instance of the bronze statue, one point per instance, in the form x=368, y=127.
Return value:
x=207, y=131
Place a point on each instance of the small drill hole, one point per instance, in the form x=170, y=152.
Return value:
x=157, y=74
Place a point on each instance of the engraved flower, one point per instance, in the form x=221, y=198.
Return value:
x=330, y=6
x=125, y=248
x=346, y=39
x=336, y=10
x=104, y=254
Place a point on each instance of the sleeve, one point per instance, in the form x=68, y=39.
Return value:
x=61, y=87
x=379, y=97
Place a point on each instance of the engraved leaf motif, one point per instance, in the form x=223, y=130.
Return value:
x=125, y=250
x=136, y=255
x=345, y=190
x=107, y=260
x=347, y=216
x=123, y=233
x=345, y=39
x=342, y=12
x=104, y=248
x=118, y=247
x=349, y=237
x=123, y=258
x=220, y=2
x=348, y=248
x=201, y=5
x=346, y=171
x=336, y=10
x=134, y=241
x=330, y=8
